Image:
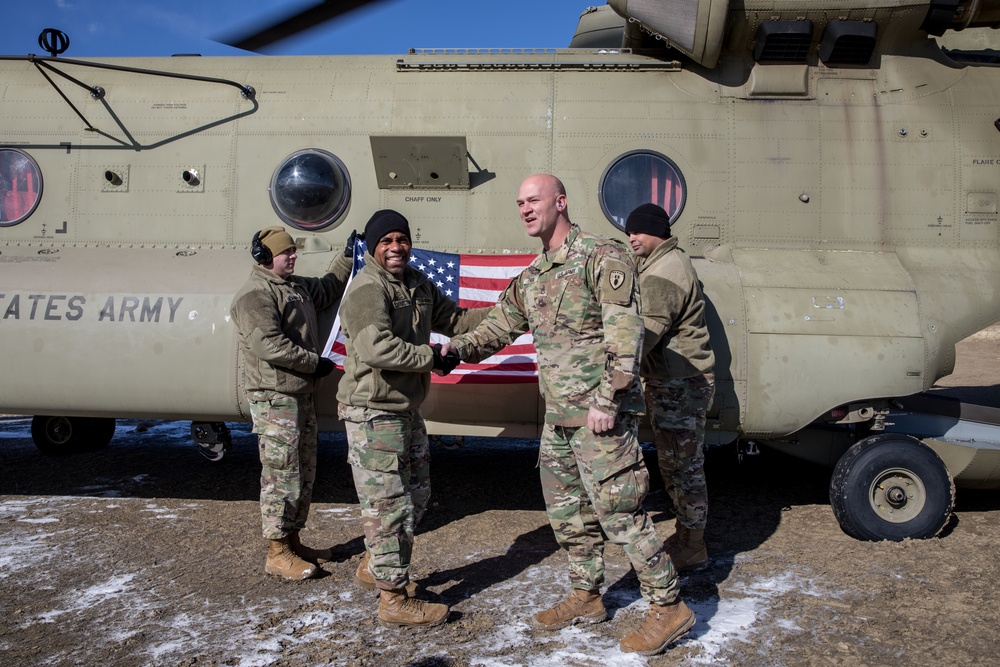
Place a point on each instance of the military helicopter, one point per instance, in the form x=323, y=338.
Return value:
x=832, y=168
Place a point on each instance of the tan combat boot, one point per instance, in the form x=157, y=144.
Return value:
x=308, y=553
x=690, y=554
x=585, y=607
x=363, y=577
x=282, y=561
x=397, y=608
x=674, y=541
x=661, y=628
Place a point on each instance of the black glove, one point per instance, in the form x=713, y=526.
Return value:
x=323, y=368
x=349, y=246
x=445, y=362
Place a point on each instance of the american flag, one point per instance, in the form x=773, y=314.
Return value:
x=472, y=281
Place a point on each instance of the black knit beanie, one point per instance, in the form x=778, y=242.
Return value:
x=648, y=219
x=381, y=223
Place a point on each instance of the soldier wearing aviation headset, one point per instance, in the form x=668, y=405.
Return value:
x=275, y=316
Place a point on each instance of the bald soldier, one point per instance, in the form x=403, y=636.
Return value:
x=579, y=299
x=275, y=318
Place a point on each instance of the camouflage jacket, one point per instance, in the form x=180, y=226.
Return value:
x=387, y=325
x=673, y=310
x=581, y=303
x=275, y=320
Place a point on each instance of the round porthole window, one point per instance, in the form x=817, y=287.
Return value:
x=641, y=177
x=310, y=189
x=20, y=186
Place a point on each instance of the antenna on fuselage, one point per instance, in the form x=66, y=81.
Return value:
x=54, y=41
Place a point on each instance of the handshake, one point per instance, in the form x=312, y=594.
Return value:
x=323, y=368
x=445, y=359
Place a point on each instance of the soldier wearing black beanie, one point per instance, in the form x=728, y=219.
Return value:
x=678, y=377
x=387, y=315
x=648, y=219
x=381, y=223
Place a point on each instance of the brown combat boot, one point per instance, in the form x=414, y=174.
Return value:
x=674, y=541
x=661, y=628
x=689, y=554
x=585, y=607
x=397, y=608
x=363, y=577
x=282, y=561
x=308, y=553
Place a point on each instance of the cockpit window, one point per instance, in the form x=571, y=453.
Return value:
x=20, y=186
x=310, y=189
x=641, y=177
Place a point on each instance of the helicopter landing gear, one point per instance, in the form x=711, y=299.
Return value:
x=891, y=487
x=213, y=439
x=60, y=436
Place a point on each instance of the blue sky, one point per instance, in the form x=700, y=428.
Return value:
x=158, y=28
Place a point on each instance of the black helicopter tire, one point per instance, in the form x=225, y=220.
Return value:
x=101, y=431
x=891, y=487
x=61, y=436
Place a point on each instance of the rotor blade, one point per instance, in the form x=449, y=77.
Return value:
x=293, y=24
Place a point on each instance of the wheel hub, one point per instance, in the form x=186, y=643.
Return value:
x=897, y=495
x=59, y=430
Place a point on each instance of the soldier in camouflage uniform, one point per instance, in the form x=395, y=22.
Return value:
x=275, y=318
x=387, y=317
x=677, y=371
x=579, y=299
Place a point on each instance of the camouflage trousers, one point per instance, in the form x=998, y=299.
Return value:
x=390, y=458
x=286, y=437
x=597, y=482
x=677, y=411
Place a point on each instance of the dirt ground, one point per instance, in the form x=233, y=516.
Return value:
x=145, y=554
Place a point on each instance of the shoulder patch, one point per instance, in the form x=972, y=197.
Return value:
x=617, y=282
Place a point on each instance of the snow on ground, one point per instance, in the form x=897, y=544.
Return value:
x=33, y=543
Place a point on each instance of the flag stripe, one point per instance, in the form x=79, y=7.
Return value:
x=482, y=297
x=512, y=262
x=471, y=282
x=501, y=365
x=515, y=351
